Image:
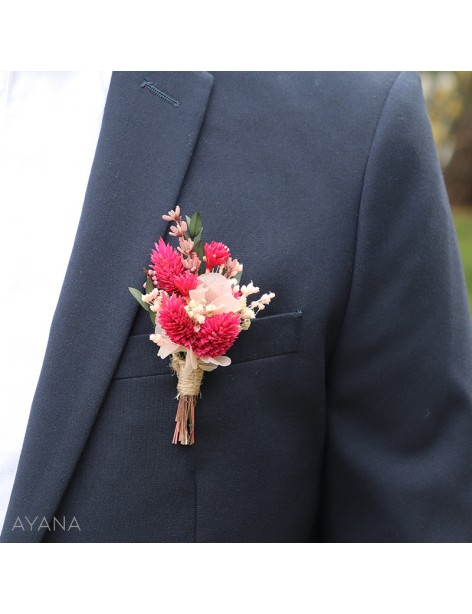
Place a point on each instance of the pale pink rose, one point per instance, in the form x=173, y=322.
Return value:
x=217, y=290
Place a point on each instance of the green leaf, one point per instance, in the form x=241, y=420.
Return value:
x=195, y=225
x=238, y=276
x=199, y=249
x=139, y=297
x=149, y=286
x=152, y=315
x=188, y=220
x=199, y=236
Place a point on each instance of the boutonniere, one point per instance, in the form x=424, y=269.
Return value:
x=197, y=307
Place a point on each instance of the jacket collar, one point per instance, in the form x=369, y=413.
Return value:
x=150, y=127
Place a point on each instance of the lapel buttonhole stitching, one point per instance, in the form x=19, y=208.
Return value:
x=164, y=95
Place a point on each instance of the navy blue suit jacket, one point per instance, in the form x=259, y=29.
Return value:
x=347, y=414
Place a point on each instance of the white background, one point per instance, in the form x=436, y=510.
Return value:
x=49, y=126
x=243, y=578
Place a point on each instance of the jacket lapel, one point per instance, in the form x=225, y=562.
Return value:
x=149, y=130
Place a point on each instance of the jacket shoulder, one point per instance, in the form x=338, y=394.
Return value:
x=355, y=90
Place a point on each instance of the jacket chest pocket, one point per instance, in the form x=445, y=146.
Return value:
x=268, y=336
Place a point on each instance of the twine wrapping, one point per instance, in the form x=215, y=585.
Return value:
x=188, y=385
x=188, y=388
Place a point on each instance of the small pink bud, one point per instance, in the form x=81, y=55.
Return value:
x=172, y=216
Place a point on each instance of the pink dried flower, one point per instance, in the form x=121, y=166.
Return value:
x=148, y=298
x=249, y=289
x=217, y=334
x=232, y=267
x=176, y=322
x=217, y=290
x=266, y=298
x=192, y=263
x=262, y=301
x=216, y=254
x=166, y=264
x=186, y=282
x=179, y=229
x=185, y=246
x=172, y=216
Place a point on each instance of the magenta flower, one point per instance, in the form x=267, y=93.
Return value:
x=166, y=264
x=176, y=322
x=217, y=334
x=185, y=282
x=216, y=254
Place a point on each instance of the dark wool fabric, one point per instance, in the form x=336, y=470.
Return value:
x=347, y=414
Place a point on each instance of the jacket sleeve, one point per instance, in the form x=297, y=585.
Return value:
x=398, y=457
